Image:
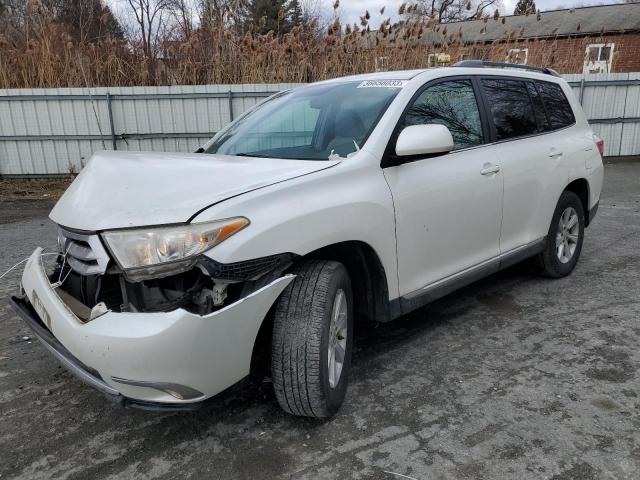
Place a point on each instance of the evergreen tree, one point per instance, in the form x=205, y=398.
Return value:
x=524, y=7
x=295, y=14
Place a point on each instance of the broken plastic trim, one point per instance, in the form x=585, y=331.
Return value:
x=181, y=392
x=236, y=271
x=247, y=269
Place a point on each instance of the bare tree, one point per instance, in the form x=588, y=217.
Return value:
x=444, y=11
x=150, y=17
x=183, y=15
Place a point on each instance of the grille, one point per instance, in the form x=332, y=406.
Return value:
x=85, y=253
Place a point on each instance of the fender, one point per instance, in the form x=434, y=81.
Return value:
x=349, y=202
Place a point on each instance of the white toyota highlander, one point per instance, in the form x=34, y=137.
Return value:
x=356, y=198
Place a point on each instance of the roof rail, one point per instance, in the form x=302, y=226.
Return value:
x=488, y=64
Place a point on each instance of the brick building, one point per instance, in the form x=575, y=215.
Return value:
x=595, y=39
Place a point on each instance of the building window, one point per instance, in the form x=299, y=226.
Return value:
x=518, y=55
x=381, y=64
x=598, y=58
x=438, y=60
x=476, y=54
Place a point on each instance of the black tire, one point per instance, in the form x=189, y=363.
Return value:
x=548, y=261
x=299, y=354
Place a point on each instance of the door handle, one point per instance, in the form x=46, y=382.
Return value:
x=555, y=154
x=489, y=169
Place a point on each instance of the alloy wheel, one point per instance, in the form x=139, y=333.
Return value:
x=568, y=235
x=337, y=338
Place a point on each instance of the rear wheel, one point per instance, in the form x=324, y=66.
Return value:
x=565, y=237
x=312, y=340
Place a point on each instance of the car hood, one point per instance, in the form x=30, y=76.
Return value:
x=133, y=189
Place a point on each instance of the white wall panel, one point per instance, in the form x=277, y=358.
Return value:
x=69, y=124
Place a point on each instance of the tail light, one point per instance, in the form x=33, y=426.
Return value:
x=600, y=145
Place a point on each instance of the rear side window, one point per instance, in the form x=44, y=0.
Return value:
x=557, y=106
x=511, y=108
x=452, y=104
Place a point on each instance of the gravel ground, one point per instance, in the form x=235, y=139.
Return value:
x=513, y=377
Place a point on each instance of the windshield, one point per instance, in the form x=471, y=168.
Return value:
x=308, y=123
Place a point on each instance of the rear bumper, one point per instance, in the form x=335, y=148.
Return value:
x=142, y=359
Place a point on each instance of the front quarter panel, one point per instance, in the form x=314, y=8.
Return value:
x=349, y=202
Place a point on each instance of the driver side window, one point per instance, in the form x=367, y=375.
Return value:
x=452, y=104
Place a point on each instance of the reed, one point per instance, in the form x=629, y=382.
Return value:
x=42, y=54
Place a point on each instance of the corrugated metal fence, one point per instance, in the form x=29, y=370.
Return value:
x=612, y=104
x=55, y=131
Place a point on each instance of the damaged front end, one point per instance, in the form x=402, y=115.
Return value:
x=165, y=337
x=199, y=285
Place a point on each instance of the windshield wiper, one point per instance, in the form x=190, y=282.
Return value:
x=255, y=155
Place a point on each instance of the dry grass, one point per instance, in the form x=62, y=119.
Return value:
x=46, y=56
x=12, y=189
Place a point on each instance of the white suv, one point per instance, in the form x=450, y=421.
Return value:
x=363, y=197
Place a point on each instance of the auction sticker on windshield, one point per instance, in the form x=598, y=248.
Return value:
x=383, y=84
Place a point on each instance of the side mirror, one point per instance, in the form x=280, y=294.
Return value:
x=424, y=140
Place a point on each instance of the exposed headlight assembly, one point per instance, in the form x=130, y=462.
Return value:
x=158, y=252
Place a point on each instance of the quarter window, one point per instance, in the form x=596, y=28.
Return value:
x=556, y=104
x=452, y=104
x=511, y=108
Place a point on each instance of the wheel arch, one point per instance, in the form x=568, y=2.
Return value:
x=580, y=187
x=368, y=283
x=367, y=274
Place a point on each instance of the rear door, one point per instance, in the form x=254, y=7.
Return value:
x=530, y=157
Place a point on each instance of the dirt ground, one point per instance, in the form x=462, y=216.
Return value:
x=515, y=376
x=41, y=189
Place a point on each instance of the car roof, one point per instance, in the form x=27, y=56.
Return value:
x=515, y=72
x=388, y=75
x=443, y=72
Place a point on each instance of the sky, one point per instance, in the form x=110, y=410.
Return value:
x=351, y=10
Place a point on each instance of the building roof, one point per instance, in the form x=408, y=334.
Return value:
x=617, y=18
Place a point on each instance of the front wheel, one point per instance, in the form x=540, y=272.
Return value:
x=312, y=340
x=565, y=237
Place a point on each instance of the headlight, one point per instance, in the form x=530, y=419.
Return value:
x=164, y=251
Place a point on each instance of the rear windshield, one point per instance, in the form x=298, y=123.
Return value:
x=308, y=123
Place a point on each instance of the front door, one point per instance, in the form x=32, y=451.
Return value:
x=448, y=208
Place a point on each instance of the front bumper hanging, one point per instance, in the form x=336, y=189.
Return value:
x=84, y=373
x=155, y=361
